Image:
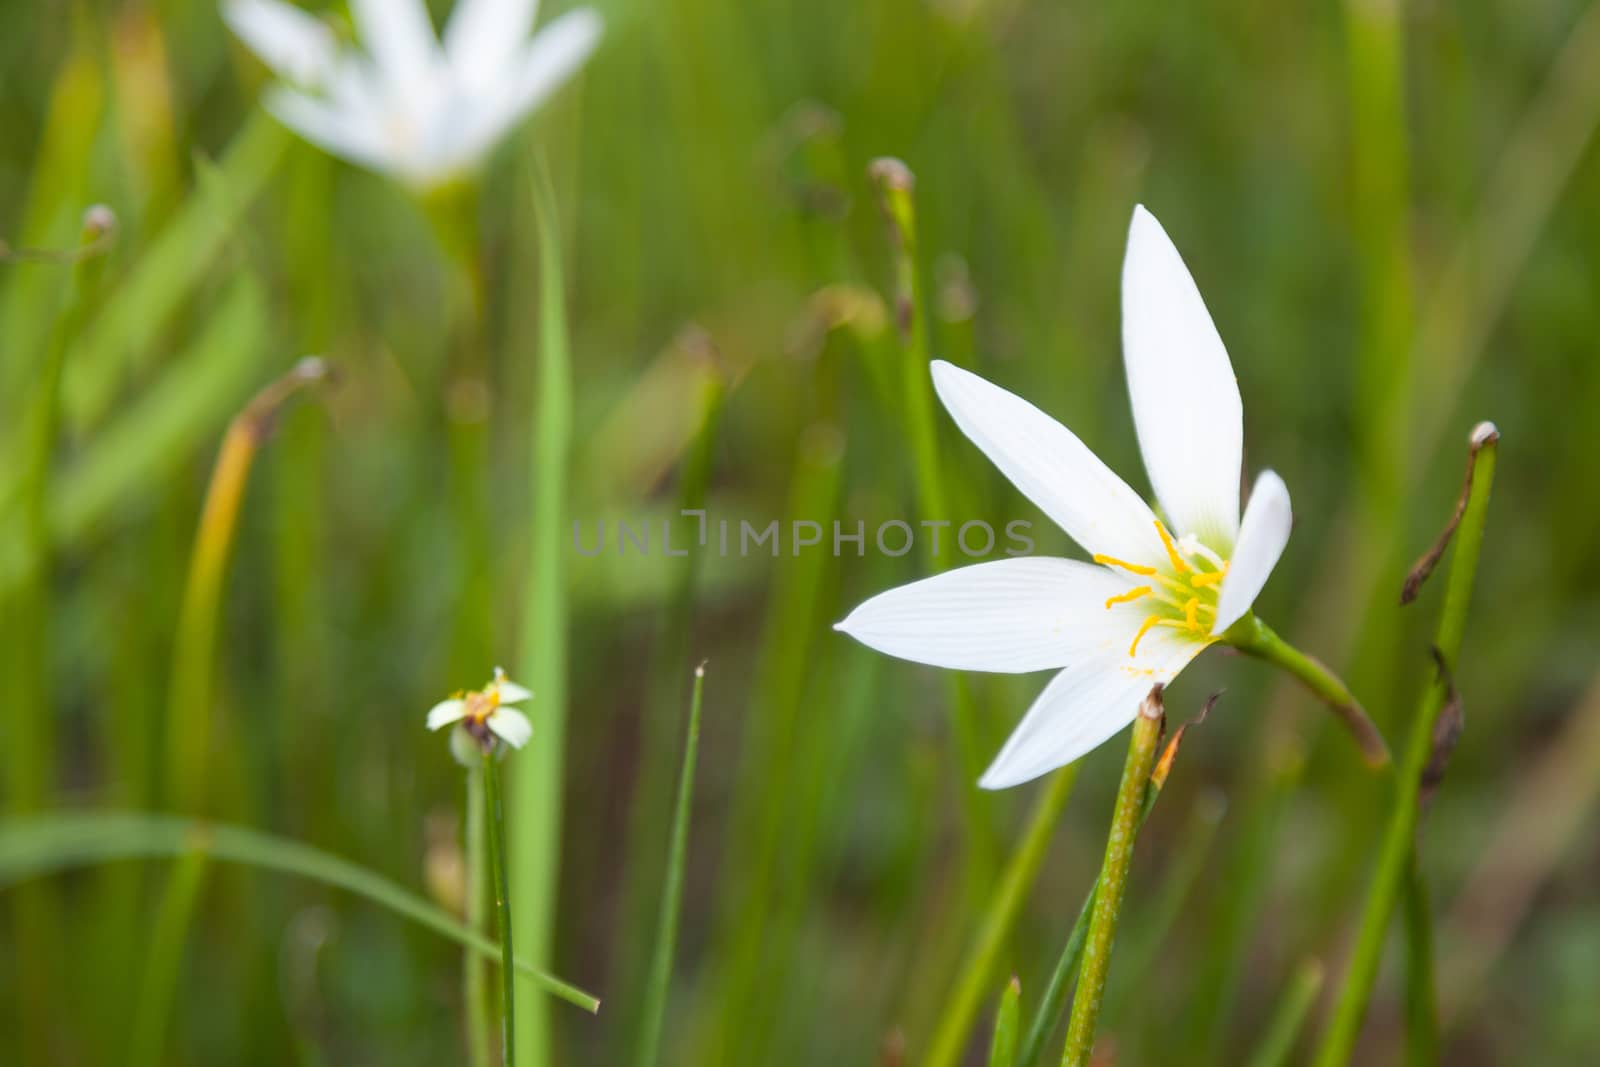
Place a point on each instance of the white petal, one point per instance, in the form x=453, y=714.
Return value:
x=1051, y=467
x=511, y=692
x=297, y=46
x=337, y=130
x=1185, y=398
x=483, y=35
x=446, y=712
x=1262, y=535
x=399, y=35
x=552, y=57
x=1087, y=703
x=511, y=726
x=1010, y=615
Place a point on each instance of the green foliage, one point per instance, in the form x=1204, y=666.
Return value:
x=1393, y=216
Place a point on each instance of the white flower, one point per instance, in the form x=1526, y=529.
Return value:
x=410, y=106
x=1158, y=591
x=484, y=712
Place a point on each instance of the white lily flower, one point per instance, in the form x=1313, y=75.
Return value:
x=408, y=105
x=484, y=712
x=1159, y=590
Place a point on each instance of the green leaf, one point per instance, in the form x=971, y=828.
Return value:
x=35, y=847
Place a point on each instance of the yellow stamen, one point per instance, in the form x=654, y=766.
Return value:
x=1200, y=581
x=1179, y=564
x=1130, y=596
x=1189, y=611
x=1144, y=628
x=1111, y=561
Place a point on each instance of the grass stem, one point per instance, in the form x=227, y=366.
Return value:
x=655, y=996
x=475, y=838
x=502, y=901
x=536, y=785
x=1400, y=836
x=1125, y=822
x=955, y=1021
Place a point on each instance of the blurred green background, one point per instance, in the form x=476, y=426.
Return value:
x=1392, y=212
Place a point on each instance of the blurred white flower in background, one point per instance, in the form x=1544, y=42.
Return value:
x=405, y=103
x=1159, y=591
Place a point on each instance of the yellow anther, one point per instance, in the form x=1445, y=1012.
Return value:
x=1130, y=596
x=1111, y=561
x=1200, y=581
x=1189, y=610
x=1144, y=628
x=1179, y=564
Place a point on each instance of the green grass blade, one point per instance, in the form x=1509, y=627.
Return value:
x=1399, y=837
x=655, y=995
x=536, y=782
x=153, y=435
x=958, y=1015
x=166, y=959
x=124, y=334
x=1277, y=1043
x=1003, y=1048
x=35, y=847
x=1422, y=994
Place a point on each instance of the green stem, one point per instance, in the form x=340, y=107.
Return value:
x=1284, y=1028
x=1255, y=638
x=30, y=756
x=1400, y=836
x=475, y=841
x=1055, y=995
x=1422, y=998
x=655, y=999
x=165, y=959
x=956, y=1019
x=537, y=783
x=896, y=189
x=502, y=899
x=1125, y=820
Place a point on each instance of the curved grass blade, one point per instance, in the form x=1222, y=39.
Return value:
x=32, y=848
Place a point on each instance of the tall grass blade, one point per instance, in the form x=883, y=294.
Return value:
x=1399, y=837
x=955, y=1021
x=536, y=784
x=1283, y=1029
x=655, y=995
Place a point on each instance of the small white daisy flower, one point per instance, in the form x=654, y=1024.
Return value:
x=484, y=715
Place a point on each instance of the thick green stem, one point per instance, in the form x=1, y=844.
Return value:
x=1125, y=820
x=536, y=785
x=502, y=900
x=1255, y=638
x=1400, y=836
x=1054, y=1000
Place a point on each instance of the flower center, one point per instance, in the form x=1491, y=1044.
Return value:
x=482, y=704
x=1183, y=597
